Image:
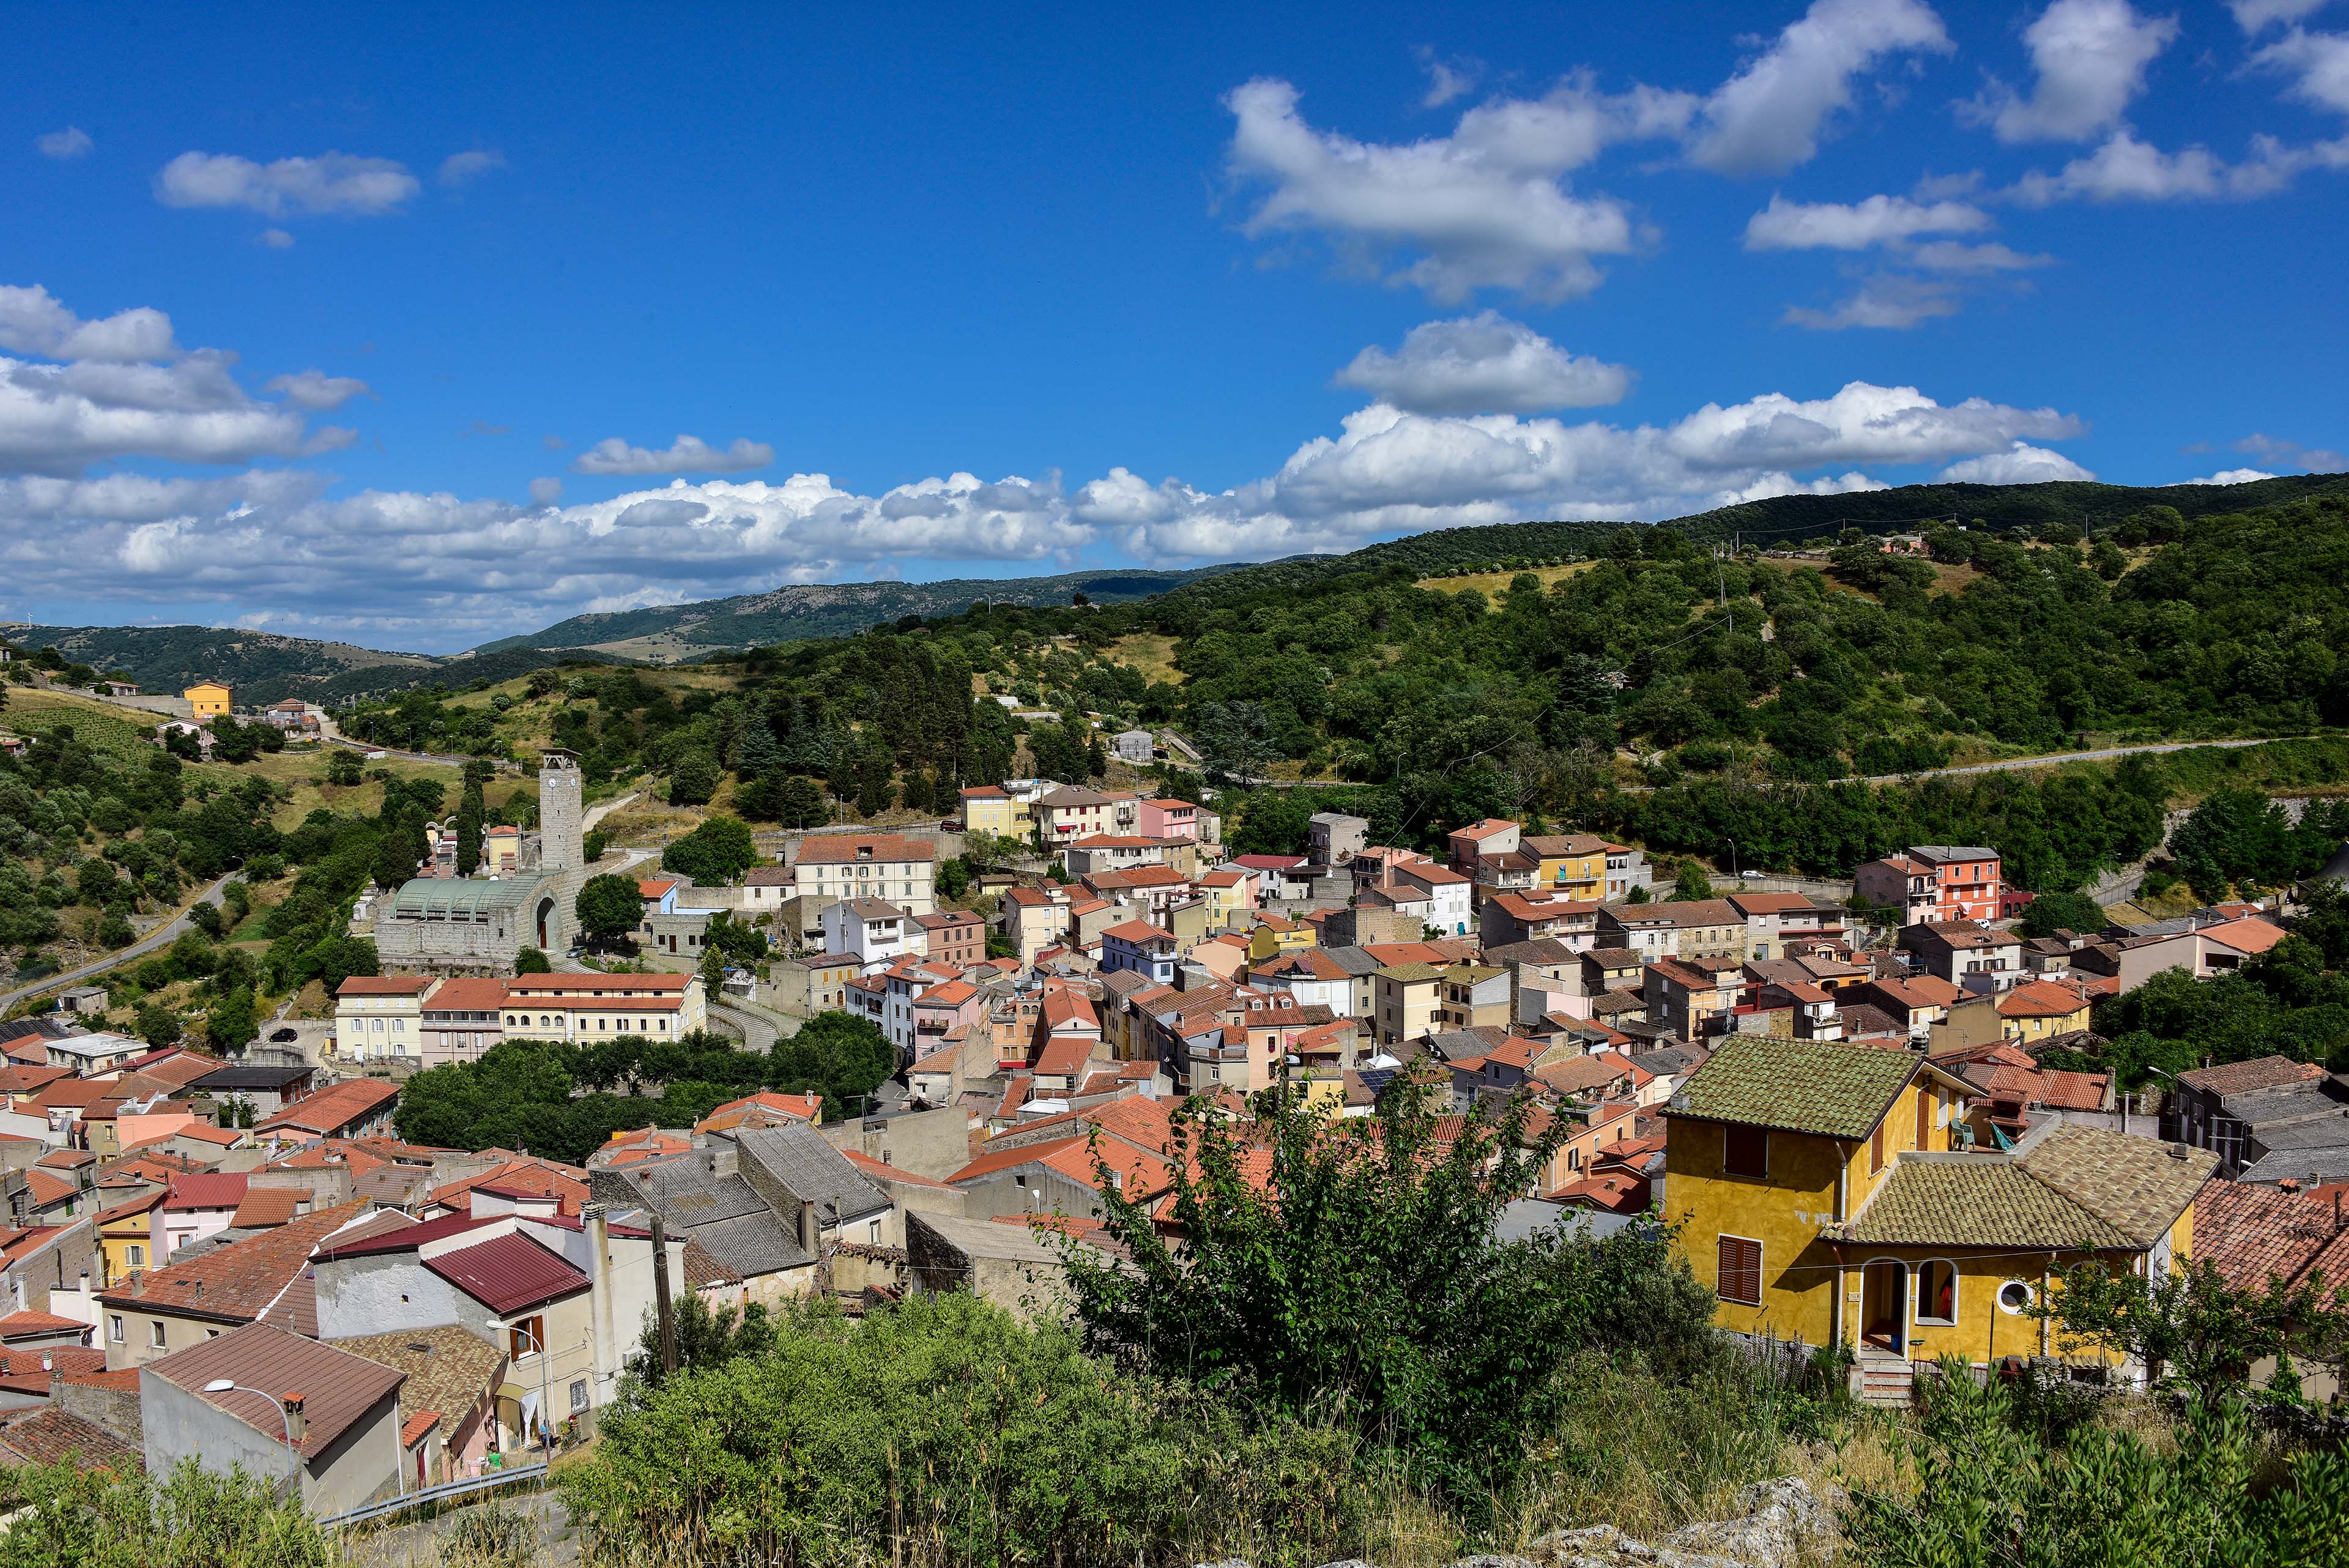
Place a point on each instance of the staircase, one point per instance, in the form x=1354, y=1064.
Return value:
x=1882, y=1378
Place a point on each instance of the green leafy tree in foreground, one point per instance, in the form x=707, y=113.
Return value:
x=531, y=961
x=1351, y=1268
x=2052, y=912
x=2191, y=1328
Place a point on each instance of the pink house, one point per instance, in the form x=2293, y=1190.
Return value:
x=1166, y=819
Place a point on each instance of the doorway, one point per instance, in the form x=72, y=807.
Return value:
x=1884, y=1307
x=545, y=914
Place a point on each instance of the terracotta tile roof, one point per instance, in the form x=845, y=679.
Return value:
x=2250, y=1233
x=870, y=1166
x=18, y=1324
x=702, y=1268
x=472, y=994
x=2242, y=1077
x=509, y=1273
x=337, y=1388
x=536, y=985
x=2139, y=1185
x=240, y=1281
x=2041, y=999
x=383, y=985
x=761, y=1109
x=48, y=1436
x=213, y=1189
x=265, y=1207
x=450, y=1371
x=2246, y=936
x=333, y=1108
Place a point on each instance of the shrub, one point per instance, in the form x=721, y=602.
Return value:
x=946, y=1432
x=190, y=1519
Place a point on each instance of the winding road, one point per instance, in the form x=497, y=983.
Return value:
x=161, y=936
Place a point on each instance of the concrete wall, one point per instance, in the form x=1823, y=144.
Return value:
x=360, y=1465
x=935, y=1143
x=389, y=1292
x=1045, y=1192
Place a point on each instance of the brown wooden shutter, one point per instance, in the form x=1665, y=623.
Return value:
x=1739, y=1270
x=1876, y=1150
x=1745, y=1151
x=1924, y=1117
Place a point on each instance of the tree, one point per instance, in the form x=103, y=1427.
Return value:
x=800, y=802
x=398, y=851
x=1351, y=1266
x=873, y=772
x=233, y=1021
x=531, y=961
x=158, y=1024
x=471, y=814
x=1096, y=757
x=837, y=1054
x=954, y=876
x=1690, y=882
x=609, y=908
x=692, y=778
x=714, y=854
x=2190, y=1327
x=2051, y=912
x=594, y=846
x=704, y=1339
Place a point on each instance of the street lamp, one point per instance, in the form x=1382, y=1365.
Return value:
x=545, y=1405
x=228, y=1385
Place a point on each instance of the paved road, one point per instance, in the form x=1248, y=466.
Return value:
x=161, y=936
x=758, y=1027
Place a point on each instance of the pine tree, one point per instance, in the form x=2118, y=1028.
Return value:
x=873, y=771
x=470, y=814
x=801, y=804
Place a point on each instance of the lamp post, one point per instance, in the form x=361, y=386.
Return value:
x=228, y=1385
x=545, y=1406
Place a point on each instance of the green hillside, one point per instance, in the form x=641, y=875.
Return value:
x=670, y=632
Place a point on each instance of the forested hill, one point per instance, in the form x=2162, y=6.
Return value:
x=668, y=633
x=263, y=667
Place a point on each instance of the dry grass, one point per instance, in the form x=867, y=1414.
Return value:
x=1492, y=585
x=102, y=725
x=302, y=776
x=1148, y=655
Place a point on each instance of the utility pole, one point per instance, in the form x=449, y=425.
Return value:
x=661, y=1306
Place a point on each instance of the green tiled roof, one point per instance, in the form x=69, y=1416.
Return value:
x=1802, y=1086
x=1412, y=973
x=2139, y=1185
x=1976, y=1200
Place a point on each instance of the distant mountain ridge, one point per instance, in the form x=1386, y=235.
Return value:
x=266, y=666
x=664, y=633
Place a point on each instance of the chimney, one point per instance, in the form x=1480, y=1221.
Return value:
x=593, y=1218
x=295, y=1425
x=807, y=1227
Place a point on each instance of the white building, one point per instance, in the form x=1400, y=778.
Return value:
x=380, y=1016
x=874, y=930
x=904, y=871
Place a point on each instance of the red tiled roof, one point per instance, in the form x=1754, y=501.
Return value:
x=2242, y=1077
x=468, y=995
x=508, y=1273
x=48, y=1436
x=240, y=1281
x=213, y=1189
x=535, y=985
x=333, y=1108
x=383, y=985
x=265, y=1207
x=2246, y=936
x=873, y=1167
x=336, y=1388
x=2249, y=1233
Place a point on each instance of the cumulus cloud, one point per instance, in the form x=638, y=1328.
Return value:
x=1447, y=79
x=316, y=390
x=1482, y=363
x=1391, y=472
x=330, y=182
x=2255, y=15
x=2228, y=476
x=1485, y=207
x=33, y=321
x=547, y=490
x=2089, y=59
x=1890, y=302
x=2021, y=463
x=2318, y=63
x=273, y=240
x=122, y=387
x=2127, y=169
x=1786, y=225
x=459, y=167
x=687, y=454
x=1772, y=114
x=73, y=142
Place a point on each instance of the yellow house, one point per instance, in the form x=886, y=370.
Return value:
x=1573, y=862
x=1274, y=935
x=990, y=809
x=1828, y=1198
x=1404, y=998
x=210, y=699
x=130, y=1238
x=2039, y=1009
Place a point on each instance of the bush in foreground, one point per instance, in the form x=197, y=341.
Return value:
x=190, y=1519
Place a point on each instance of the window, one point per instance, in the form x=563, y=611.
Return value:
x=1745, y=1151
x=155, y=1333
x=873, y=1233
x=1876, y=1150
x=1937, y=1292
x=579, y=1396
x=114, y=1327
x=136, y=1254
x=1739, y=1272
x=2015, y=1297
x=525, y=1338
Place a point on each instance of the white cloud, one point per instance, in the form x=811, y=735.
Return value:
x=1951, y=257
x=2254, y=15
x=1888, y=302
x=1786, y=225
x=33, y=321
x=1447, y=79
x=330, y=182
x=459, y=167
x=2127, y=169
x=1482, y=363
x=73, y=142
x=316, y=390
x=2292, y=454
x=1484, y=207
x=2090, y=59
x=687, y=454
x=273, y=240
x=2319, y=62
x=547, y=490
x=2228, y=476
x=1770, y=115
x=1389, y=472
x=2021, y=463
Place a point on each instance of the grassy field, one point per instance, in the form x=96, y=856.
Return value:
x=1149, y=655
x=106, y=728
x=1492, y=585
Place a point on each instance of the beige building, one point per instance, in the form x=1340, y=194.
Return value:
x=577, y=1008
x=380, y=1016
x=869, y=866
x=1404, y=1001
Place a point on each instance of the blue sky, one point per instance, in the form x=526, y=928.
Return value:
x=428, y=327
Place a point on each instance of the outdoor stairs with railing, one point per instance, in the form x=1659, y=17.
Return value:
x=1879, y=1377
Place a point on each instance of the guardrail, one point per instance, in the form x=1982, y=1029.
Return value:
x=444, y=1493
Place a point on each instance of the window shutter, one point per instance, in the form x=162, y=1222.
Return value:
x=1745, y=1151
x=1739, y=1273
x=1876, y=1150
